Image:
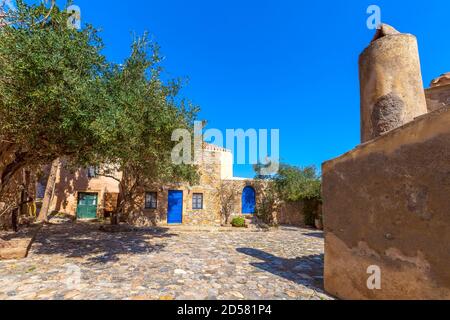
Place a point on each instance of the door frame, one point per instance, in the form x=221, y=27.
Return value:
x=182, y=206
x=97, y=193
x=254, y=200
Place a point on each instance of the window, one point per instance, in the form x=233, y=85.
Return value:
x=151, y=200
x=92, y=172
x=197, y=201
x=40, y=190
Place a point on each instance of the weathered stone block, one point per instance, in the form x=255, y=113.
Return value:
x=387, y=204
x=391, y=83
x=438, y=97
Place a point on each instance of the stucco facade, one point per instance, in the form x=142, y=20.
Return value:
x=69, y=185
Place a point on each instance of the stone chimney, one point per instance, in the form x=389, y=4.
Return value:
x=392, y=91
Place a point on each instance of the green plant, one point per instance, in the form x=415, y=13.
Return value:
x=291, y=184
x=226, y=195
x=267, y=205
x=238, y=222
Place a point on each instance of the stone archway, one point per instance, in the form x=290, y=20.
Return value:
x=248, y=200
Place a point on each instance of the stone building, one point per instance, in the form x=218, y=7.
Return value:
x=438, y=95
x=386, y=203
x=85, y=195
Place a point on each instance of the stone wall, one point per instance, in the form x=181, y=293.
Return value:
x=386, y=204
x=215, y=170
x=238, y=185
x=215, y=177
x=438, y=97
x=209, y=215
x=210, y=174
x=292, y=213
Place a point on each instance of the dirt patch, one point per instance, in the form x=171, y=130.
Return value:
x=17, y=245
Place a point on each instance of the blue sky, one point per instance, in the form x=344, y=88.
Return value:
x=273, y=64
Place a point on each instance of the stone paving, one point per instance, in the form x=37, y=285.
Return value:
x=78, y=261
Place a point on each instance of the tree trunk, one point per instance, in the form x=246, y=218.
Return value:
x=11, y=161
x=15, y=219
x=49, y=191
x=127, y=192
x=121, y=202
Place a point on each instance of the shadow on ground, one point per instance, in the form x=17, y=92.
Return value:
x=85, y=240
x=315, y=235
x=307, y=271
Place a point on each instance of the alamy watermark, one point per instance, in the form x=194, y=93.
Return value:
x=74, y=20
x=191, y=152
x=72, y=277
x=374, y=281
x=374, y=20
x=8, y=8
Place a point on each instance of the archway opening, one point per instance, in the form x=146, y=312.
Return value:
x=248, y=200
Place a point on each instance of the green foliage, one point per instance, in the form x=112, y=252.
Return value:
x=296, y=184
x=51, y=85
x=226, y=194
x=238, y=222
x=60, y=97
x=267, y=204
x=291, y=184
x=135, y=132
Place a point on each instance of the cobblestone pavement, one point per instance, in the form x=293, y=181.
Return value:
x=78, y=261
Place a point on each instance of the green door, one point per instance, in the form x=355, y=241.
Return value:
x=87, y=206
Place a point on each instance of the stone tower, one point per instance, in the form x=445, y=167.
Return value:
x=392, y=91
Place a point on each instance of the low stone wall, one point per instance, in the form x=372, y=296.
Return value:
x=15, y=246
x=387, y=204
x=292, y=213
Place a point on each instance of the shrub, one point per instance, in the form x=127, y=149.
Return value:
x=292, y=184
x=267, y=205
x=238, y=222
x=227, y=194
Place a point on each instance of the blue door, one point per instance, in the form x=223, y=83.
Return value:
x=248, y=200
x=175, y=211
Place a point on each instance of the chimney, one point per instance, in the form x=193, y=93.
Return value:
x=392, y=92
